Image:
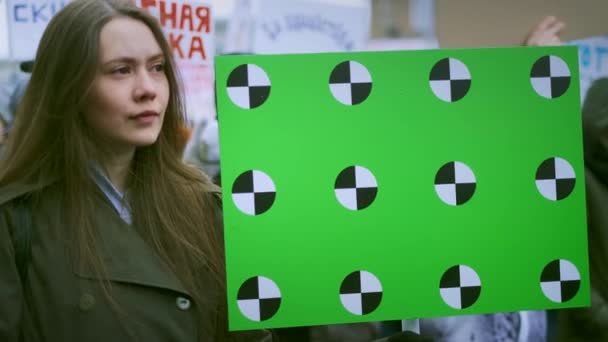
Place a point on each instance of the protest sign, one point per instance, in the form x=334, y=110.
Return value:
x=188, y=25
x=27, y=20
x=275, y=26
x=309, y=26
x=4, y=50
x=593, y=60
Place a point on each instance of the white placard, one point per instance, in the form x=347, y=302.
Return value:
x=309, y=26
x=4, y=52
x=27, y=20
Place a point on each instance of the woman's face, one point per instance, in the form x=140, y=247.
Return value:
x=127, y=102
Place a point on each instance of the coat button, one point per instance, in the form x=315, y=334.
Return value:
x=183, y=303
x=87, y=302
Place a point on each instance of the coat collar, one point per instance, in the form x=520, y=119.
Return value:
x=128, y=258
x=12, y=191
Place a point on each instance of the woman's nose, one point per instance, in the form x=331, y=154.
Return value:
x=145, y=87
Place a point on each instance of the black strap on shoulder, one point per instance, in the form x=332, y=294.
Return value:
x=22, y=236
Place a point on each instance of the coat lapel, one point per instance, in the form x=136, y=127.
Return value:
x=128, y=258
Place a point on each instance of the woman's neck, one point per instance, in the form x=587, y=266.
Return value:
x=117, y=167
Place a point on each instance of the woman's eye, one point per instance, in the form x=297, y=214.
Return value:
x=121, y=70
x=160, y=67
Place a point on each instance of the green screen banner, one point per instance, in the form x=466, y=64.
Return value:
x=375, y=186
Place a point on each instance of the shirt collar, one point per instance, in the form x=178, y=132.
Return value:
x=115, y=197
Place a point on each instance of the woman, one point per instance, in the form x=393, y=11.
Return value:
x=125, y=241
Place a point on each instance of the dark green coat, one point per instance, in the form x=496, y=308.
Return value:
x=62, y=302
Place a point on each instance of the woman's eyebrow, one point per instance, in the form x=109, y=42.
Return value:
x=131, y=60
x=157, y=56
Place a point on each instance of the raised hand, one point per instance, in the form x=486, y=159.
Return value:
x=545, y=33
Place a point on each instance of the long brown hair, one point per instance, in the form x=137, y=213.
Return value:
x=173, y=205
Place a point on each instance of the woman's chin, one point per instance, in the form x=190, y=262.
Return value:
x=144, y=140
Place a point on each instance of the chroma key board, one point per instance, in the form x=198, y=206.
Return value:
x=377, y=186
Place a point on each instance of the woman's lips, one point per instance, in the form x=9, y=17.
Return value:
x=146, y=117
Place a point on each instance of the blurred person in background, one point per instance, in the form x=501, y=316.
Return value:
x=590, y=324
x=5, y=119
x=546, y=32
x=11, y=91
x=203, y=148
x=3, y=130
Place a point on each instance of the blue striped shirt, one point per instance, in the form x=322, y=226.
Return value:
x=115, y=197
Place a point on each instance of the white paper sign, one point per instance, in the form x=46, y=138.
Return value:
x=27, y=20
x=4, y=51
x=308, y=26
